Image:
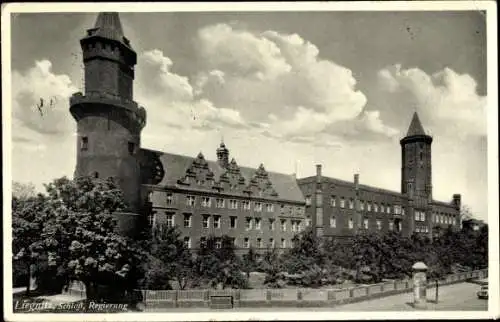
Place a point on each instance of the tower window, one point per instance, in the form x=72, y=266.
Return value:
x=84, y=144
x=131, y=148
x=421, y=155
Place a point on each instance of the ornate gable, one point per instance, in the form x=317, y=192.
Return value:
x=260, y=184
x=232, y=179
x=198, y=174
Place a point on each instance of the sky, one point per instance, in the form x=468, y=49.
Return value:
x=286, y=89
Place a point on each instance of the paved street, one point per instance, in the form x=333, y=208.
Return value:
x=457, y=297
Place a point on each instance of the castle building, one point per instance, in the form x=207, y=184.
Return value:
x=255, y=207
x=341, y=208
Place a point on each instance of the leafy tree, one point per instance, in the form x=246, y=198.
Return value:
x=482, y=247
x=29, y=214
x=249, y=262
x=305, y=258
x=170, y=261
x=216, y=264
x=78, y=238
x=272, y=266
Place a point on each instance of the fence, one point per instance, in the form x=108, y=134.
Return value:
x=290, y=297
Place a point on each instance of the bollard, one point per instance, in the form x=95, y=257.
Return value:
x=420, y=285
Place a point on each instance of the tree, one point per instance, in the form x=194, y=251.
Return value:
x=271, y=265
x=216, y=264
x=249, y=261
x=29, y=214
x=23, y=190
x=481, y=247
x=305, y=258
x=171, y=261
x=465, y=214
x=78, y=239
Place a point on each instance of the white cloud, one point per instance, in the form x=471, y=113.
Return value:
x=443, y=98
x=154, y=68
x=240, y=53
x=37, y=88
x=38, y=139
x=455, y=114
x=298, y=95
x=171, y=101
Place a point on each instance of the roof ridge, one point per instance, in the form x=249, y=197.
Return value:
x=214, y=161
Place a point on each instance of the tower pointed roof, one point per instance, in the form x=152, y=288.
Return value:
x=416, y=127
x=108, y=25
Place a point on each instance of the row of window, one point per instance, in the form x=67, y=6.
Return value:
x=215, y=221
x=366, y=223
x=232, y=204
x=445, y=219
x=419, y=215
x=259, y=243
x=439, y=219
x=396, y=209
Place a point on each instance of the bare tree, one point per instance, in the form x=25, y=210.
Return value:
x=465, y=214
x=23, y=190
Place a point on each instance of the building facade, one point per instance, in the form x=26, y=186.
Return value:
x=255, y=207
x=341, y=208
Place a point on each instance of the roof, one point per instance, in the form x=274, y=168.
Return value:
x=175, y=167
x=372, y=189
x=362, y=187
x=416, y=127
x=443, y=203
x=108, y=25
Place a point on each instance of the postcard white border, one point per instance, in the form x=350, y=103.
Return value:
x=492, y=93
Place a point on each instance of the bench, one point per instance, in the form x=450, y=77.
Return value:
x=221, y=302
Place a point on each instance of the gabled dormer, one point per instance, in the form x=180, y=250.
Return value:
x=198, y=174
x=260, y=184
x=232, y=179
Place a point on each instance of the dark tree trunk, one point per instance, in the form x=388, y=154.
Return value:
x=90, y=291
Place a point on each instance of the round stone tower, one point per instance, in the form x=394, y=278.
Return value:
x=416, y=174
x=109, y=122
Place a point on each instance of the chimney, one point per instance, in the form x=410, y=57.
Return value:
x=356, y=181
x=318, y=172
x=457, y=200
